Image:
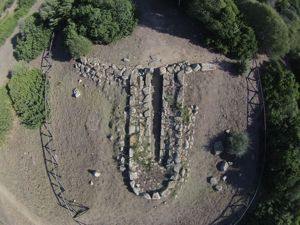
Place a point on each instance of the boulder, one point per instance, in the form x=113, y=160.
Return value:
x=126, y=60
x=136, y=190
x=122, y=168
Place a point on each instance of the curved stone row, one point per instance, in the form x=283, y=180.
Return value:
x=156, y=164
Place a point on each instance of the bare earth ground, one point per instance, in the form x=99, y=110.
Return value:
x=80, y=129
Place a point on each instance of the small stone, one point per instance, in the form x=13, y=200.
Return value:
x=156, y=196
x=91, y=183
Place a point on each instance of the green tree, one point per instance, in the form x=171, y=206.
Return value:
x=78, y=45
x=226, y=29
x=271, y=31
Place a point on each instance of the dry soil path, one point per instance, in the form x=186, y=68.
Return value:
x=14, y=212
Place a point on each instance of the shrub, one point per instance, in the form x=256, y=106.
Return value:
x=6, y=117
x=237, y=143
x=26, y=90
x=243, y=67
x=33, y=39
x=104, y=21
x=77, y=44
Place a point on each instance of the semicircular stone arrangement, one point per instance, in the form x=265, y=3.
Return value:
x=154, y=140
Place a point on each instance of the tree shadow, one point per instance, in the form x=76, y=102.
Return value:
x=166, y=17
x=59, y=50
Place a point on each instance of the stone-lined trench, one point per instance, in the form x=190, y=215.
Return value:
x=154, y=140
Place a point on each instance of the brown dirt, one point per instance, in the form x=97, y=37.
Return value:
x=80, y=129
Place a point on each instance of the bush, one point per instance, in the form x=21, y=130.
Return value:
x=104, y=21
x=6, y=116
x=243, y=67
x=237, y=143
x=77, y=44
x=34, y=38
x=26, y=90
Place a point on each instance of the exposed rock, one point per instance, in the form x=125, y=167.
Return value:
x=156, y=196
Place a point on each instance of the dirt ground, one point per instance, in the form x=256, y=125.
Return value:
x=80, y=128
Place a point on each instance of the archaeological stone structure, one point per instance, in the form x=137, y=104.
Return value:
x=156, y=136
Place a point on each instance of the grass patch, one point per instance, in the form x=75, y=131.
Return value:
x=26, y=89
x=6, y=117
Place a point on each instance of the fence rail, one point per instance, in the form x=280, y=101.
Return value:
x=242, y=200
x=49, y=152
